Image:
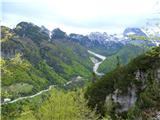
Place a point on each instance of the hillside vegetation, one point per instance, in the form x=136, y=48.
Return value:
x=34, y=60
x=125, y=55
x=131, y=91
x=54, y=105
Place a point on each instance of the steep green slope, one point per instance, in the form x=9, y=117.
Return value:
x=131, y=91
x=19, y=77
x=125, y=55
x=51, y=61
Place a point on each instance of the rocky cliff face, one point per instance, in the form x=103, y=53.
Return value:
x=157, y=74
x=127, y=100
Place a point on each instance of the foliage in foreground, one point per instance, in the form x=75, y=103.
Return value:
x=58, y=105
x=122, y=78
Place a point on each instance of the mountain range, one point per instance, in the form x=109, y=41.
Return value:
x=55, y=57
x=33, y=59
x=50, y=61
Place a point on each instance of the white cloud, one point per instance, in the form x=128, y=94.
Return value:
x=80, y=15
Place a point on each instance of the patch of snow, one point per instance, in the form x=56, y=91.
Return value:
x=97, y=55
x=157, y=43
x=50, y=34
x=130, y=33
x=120, y=36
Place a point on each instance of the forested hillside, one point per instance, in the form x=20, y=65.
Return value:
x=123, y=56
x=129, y=92
x=33, y=60
x=80, y=60
x=54, y=105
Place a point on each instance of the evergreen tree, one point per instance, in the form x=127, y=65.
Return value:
x=65, y=106
x=94, y=77
x=118, y=61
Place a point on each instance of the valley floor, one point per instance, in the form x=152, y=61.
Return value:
x=95, y=68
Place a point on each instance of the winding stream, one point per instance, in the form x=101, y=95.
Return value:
x=96, y=62
x=95, y=68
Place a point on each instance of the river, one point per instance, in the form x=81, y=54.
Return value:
x=96, y=62
x=95, y=68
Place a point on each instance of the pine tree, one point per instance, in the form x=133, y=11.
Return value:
x=65, y=106
x=94, y=77
x=118, y=61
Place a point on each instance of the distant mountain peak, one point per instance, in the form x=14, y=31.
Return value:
x=30, y=30
x=97, y=36
x=133, y=31
x=58, y=34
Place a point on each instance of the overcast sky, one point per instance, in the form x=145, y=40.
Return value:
x=81, y=16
